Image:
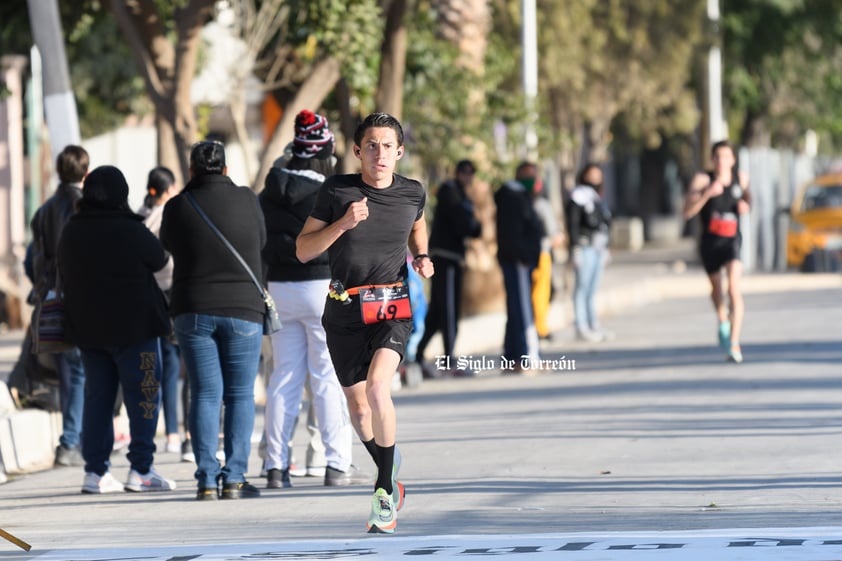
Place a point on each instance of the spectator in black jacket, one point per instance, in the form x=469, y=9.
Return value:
x=115, y=313
x=299, y=290
x=519, y=234
x=47, y=223
x=453, y=222
x=218, y=315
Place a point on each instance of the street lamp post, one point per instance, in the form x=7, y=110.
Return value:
x=716, y=119
x=529, y=42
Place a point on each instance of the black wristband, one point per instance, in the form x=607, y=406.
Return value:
x=421, y=256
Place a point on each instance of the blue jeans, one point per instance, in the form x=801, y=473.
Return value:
x=588, y=275
x=71, y=376
x=221, y=355
x=137, y=369
x=169, y=384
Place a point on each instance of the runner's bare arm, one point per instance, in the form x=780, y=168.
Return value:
x=315, y=237
x=744, y=204
x=418, y=246
x=697, y=195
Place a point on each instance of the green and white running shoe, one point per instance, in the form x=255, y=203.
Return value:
x=384, y=517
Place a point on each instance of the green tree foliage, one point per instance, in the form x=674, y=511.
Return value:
x=603, y=60
x=783, y=62
x=437, y=97
x=349, y=31
x=107, y=88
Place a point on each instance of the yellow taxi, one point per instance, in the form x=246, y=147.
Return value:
x=814, y=240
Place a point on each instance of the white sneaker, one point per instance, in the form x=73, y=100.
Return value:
x=589, y=336
x=95, y=484
x=152, y=481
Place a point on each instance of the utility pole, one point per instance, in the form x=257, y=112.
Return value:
x=716, y=119
x=59, y=103
x=34, y=124
x=529, y=42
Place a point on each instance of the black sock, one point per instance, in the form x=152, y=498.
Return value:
x=372, y=449
x=384, y=468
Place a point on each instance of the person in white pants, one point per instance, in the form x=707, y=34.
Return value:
x=299, y=291
x=299, y=348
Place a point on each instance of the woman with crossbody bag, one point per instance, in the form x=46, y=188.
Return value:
x=218, y=315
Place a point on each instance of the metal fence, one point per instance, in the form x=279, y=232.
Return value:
x=774, y=177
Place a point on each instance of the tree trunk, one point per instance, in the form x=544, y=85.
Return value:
x=389, y=97
x=167, y=69
x=167, y=150
x=311, y=94
x=347, y=160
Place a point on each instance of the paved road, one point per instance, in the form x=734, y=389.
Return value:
x=652, y=439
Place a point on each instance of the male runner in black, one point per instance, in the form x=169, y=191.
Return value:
x=365, y=222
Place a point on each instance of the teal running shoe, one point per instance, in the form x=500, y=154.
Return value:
x=725, y=335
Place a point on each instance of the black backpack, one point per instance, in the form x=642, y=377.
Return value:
x=35, y=379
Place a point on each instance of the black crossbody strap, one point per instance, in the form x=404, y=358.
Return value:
x=230, y=247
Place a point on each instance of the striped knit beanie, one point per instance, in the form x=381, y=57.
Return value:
x=312, y=137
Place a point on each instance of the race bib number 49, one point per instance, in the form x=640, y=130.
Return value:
x=381, y=304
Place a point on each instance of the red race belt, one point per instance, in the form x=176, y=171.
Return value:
x=725, y=227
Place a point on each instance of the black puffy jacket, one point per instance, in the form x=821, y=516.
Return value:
x=286, y=200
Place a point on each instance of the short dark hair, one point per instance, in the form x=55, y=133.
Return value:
x=523, y=166
x=722, y=144
x=207, y=158
x=72, y=164
x=378, y=120
x=465, y=166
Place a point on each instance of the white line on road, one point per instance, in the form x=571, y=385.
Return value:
x=778, y=544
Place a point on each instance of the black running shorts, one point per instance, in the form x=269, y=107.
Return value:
x=352, y=343
x=717, y=251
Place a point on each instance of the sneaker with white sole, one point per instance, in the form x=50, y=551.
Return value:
x=187, y=452
x=735, y=354
x=152, y=481
x=97, y=484
x=384, y=517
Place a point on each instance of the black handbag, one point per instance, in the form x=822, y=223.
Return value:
x=271, y=321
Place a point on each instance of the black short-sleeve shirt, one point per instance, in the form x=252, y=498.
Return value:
x=374, y=252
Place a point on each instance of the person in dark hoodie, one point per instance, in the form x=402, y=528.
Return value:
x=453, y=222
x=519, y=233
x=299, y=290
x=115, y=313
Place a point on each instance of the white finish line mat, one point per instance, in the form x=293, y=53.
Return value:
x=777, y=544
